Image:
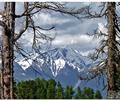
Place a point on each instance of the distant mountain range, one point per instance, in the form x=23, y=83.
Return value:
x=62, y=64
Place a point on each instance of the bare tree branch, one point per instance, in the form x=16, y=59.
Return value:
x=26, y=24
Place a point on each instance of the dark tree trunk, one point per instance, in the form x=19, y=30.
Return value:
x=1, y=76
x=12, y=28
x=111, y=64
x=8, y=36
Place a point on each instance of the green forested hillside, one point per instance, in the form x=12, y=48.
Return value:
x=49, y=89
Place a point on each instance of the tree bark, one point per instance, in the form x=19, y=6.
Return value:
x=8, y=36
x=1, y=76
x=111, y=64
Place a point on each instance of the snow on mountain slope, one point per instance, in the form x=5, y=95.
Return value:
x=58, y=58
x=25, y=64
x=60, y=63
x=63, y=65
x=54, y=62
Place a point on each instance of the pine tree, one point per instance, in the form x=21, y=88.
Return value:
x=44, y=89
x=88, y=93
x=79, y=94
x=97, y=95
x=59, y=91
x=69, y=92
x=51, y=89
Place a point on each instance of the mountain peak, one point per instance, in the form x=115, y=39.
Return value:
x=55, y=60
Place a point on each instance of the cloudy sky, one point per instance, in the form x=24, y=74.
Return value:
x=69, y=31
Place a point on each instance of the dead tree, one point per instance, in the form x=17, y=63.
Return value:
x=10, y=37
x=110, y=63
x=7, y=40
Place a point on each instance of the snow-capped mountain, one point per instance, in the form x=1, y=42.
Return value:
x=61, y=64
x=57, y=60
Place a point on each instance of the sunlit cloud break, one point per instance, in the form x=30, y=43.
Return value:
x=72, y=39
